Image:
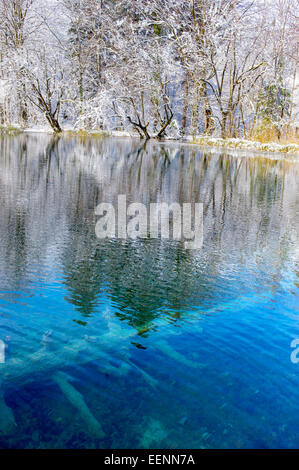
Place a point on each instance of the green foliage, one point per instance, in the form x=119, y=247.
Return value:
x=274, y=103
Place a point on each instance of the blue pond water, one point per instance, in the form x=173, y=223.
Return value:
x=143, y=344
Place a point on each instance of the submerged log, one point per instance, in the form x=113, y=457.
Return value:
x=78, y=402
x=7, y=419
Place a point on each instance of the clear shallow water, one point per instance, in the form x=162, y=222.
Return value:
x=158, y=347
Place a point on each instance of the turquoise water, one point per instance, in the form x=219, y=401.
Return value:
x=143, y=344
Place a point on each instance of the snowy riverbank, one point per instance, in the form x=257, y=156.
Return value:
x=243, y=144
x=230, y=143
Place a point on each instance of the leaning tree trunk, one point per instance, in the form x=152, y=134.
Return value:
x=54, y=123
x=45, y=105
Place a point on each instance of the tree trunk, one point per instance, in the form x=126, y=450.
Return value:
x=207, y=111
x=54, y=123
x=195, y=111
x=185, y=106
x=223, y=125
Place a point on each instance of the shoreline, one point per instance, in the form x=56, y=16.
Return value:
x=203, y=141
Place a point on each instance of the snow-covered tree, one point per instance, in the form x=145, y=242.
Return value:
x=155, y=68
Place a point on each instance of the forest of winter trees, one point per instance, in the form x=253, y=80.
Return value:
x=156, y=68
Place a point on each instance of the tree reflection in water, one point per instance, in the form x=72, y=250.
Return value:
x=53, y=186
